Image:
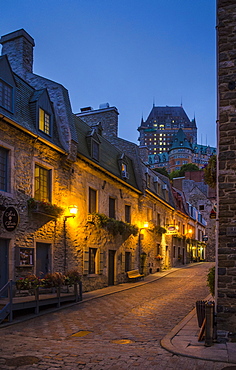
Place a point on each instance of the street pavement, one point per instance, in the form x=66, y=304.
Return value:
x=149, y=324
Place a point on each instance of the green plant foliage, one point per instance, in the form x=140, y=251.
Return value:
x=159, y=230
x=210, y=172
x=28, y=282
x=211, y=280
x=186, y=167
x=45, y=207
x=163, y=171
x=115, y=227
x=72, y=277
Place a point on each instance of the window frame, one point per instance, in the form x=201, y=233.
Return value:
x=95, y=150
x=9, y=176
x=92, y=261
x=128, y=214
x=3, y=95
x=50, y=170
x=44, y=129
x=112, y=207
x=92, y=203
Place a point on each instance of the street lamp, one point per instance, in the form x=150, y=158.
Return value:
x=72, y=213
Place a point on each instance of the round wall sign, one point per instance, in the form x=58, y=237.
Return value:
x=10, y=219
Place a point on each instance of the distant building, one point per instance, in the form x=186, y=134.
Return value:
x=167, y=128
x=162, y=124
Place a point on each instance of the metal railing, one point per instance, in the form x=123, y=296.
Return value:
x=6, y=311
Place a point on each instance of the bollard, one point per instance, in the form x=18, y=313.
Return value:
x=209, y=324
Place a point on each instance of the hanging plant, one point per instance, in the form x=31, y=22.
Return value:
x=159, y=230
x=115, y=227
x=44, y=207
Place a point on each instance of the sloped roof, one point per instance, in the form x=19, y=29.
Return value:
x=161, y=114
x=180, y=141
x=109, y=155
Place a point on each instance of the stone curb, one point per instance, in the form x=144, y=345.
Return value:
x=210, y=352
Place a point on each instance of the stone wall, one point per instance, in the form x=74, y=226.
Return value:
x=226, y=31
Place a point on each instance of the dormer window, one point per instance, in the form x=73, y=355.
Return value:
x=95, y=150
x=124, y=171
x=44, y=121
x=6, y=94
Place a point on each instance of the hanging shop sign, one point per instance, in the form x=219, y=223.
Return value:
x=10, y=219
x=171, y=230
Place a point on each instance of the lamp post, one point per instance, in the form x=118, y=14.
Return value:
x=145, y=226
x=72, y=213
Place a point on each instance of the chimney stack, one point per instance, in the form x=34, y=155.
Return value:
x=18, y=46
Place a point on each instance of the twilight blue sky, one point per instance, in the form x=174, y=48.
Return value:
x=129, y=53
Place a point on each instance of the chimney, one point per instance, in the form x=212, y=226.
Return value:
x=143, y=152
x=18, y=46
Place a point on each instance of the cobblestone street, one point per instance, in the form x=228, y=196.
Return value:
x=118, y=331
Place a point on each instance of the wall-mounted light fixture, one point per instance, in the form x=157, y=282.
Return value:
x=72, y=211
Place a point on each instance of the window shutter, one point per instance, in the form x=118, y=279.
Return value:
x=86, y=261
x=100, y=259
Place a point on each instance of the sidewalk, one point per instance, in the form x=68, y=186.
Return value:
x=182, y=340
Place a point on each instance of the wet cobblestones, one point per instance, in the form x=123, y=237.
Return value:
x=124, y=328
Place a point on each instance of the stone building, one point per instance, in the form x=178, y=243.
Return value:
x=159, y=201
x=51, y=162
x=226, y=51
x=162, y=124
x=203, y=198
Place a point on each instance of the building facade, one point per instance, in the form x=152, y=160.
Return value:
x=52, y=161
x=226, y=261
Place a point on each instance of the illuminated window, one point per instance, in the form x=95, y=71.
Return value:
x=6, y=95
x=44, y=121
x=155, y=125
x=42, y=184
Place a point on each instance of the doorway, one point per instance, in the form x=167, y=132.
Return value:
x=4, y=252
x=42, y=259
x=111, y=267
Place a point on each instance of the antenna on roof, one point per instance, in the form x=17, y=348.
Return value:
x=181, y=104
x=153, y=102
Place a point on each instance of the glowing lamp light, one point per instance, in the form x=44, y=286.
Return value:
x=190, y=231
x=73, y=210
x=145, y=225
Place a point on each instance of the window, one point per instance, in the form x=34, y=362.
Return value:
x=4, y=169
x=6, y=95
x=112, y=210
x=128, y=213
x=92, y=200
x=127, y=261
x=44, y=121
x=42, y=184
x=201, y=207
x=95, y=150
x=92, y=260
